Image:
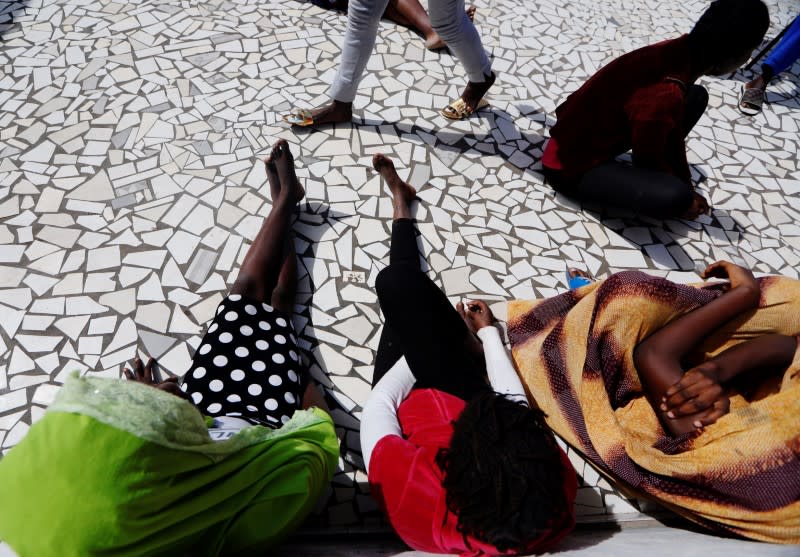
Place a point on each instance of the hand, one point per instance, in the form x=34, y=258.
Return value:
x=698, y=207
x=477, y=315
x=739, y=277
x=147, y=374
x=700, y=393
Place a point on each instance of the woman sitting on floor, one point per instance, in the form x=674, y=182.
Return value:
x=459, y=464
x=686, y=395
x=132, y=468
x=646, y=101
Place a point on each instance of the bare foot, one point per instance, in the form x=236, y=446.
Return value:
x=474, y=92
x=434, y=42
x=334, y=113
x=698, y=207
x=401, y=191
x=758, y=83
x=284, y=165
x=272, y=177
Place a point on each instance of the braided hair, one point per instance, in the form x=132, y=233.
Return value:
x=503, y=473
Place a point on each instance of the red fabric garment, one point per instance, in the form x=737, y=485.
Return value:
x=405, y=479
x=636, y=102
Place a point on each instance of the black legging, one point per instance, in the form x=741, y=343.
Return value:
x=644, y=191
x=421, y=324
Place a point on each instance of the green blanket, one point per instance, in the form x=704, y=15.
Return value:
x=119, y=468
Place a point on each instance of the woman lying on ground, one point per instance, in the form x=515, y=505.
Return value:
x=686, y=395
x=459, y=464
x=408, y=13
x=122, y=468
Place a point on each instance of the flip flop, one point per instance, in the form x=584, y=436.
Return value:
x=576, y=281
x=299, y=117
x=458, y=109
x=751, y=100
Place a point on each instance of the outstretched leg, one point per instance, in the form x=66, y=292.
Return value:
x=264, y=261
x=284, y=292
x=420, y=322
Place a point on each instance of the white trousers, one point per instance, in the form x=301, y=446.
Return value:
x=448, y=18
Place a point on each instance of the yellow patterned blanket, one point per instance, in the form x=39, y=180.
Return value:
x=575, y=356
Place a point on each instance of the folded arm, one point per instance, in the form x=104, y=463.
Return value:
x=764, y=355
x=658, y=358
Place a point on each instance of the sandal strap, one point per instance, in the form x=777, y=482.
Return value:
x=753, y=97
x=301, y=113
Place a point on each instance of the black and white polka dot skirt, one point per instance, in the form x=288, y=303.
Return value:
x=248, y=364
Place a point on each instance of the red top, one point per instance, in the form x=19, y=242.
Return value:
x=405, y=478
x=636, y=102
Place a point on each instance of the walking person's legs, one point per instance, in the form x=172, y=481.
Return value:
x=449, y=19
x=363, y=17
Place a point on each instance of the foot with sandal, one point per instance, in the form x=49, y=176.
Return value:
x=472, y=99
x=447, y=23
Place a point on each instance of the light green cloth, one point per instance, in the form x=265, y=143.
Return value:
x=123, y=469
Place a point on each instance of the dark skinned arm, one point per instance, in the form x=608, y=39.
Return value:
x=658, y=358
x=765, y=354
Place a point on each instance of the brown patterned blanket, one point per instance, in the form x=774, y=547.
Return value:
x=575, y=356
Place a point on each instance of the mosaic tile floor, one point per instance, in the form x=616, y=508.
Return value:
x=130, y=187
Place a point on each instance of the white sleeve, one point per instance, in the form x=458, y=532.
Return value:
x=379, y=416
x=502, y=375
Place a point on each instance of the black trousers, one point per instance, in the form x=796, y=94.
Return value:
x=642, y=190
x=421, y=324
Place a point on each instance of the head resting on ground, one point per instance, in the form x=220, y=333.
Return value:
x=726, y=34
x=503, y=474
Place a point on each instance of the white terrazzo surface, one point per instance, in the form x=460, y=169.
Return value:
x=130, y=184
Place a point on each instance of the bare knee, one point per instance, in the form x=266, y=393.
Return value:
x=249, y=287
x=283, y=299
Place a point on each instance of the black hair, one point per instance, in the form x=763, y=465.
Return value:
x=729, y=29
x=503, y=473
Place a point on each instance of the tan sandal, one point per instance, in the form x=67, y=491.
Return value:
x=458, y=109
x=299, y=117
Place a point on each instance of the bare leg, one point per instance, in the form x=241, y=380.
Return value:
x=284, y=292
x=402, y=193
x=760, y=81
x=410, y=13
x=262, y=265
x=474, y=92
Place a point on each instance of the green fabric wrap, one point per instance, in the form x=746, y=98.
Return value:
x=119, y=468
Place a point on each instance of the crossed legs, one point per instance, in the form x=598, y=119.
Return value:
x=268, y=272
